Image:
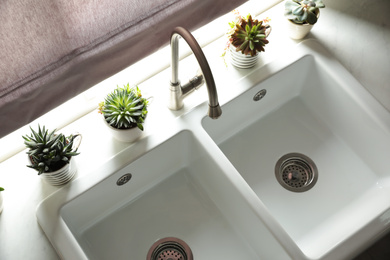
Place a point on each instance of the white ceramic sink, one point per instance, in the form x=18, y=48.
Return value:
x=212, y=184
x=176, y=190
x=313, y=106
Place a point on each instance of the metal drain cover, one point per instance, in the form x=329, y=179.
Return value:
x=169, y=248
x=296, y=172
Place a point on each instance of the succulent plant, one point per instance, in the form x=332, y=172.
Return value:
x=48, y=152
x=303, y=11
x=249, y=36
x=125, y=108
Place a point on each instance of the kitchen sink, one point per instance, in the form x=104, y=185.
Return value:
x=313, y=145
x=175, y=193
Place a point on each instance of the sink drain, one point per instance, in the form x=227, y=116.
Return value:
x=169, y=248
x=296, y=172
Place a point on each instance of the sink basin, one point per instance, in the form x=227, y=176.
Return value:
x=312, y=107
x=175, y=190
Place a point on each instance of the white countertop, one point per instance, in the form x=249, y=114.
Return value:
x=358, y=35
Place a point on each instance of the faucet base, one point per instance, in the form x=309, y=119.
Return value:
x=175, y=96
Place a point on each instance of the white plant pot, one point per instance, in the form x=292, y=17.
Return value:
x=298, y=31
x=61, y=176
x=66, y=173
x=124, y=135
x=240, y=60
x=1, y=202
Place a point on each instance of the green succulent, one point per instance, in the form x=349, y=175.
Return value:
x=1, y=189
x=48, y=152
x=249, y=36
x=125, y=108
x=303, y=11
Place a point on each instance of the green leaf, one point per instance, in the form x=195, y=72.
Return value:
x=254, y=29
x=244, y=45
x=31, y=145
x=249, y=21
x=303, y=18
x=311, y=18
x=290, y=5
x=140, y=126
x=251, y=45
x=247, y=29
x=118, y=119
x=41, y=164
x=319, y=3
x=36, y=135
x=261, y=36
x=298, y=10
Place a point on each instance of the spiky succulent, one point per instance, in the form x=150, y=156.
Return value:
x=303, y=11
x=48, y=151
x=249, y=36
x=125, y=108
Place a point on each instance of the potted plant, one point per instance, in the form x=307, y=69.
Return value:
x=124, y=111
x=1, y=200
x=301, y=16
x=50, y=155
x=247, y=37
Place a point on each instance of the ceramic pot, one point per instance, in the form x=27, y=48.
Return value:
x=61, y=176
x=1, y=203
x=298, y=31
x=124, y=135
x=241, y=60
x=66, y=173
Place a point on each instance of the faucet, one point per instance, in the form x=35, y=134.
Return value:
x=176, y=90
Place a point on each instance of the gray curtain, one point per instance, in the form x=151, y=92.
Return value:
x=52, y=50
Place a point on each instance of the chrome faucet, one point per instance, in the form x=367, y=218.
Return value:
x=176, y=90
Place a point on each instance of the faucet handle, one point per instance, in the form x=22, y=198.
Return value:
x=194, y=83
x=199, y=78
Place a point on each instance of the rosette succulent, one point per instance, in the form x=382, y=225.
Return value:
x=48, y=151
x=303, y=11
x=125, y=108
x=249, y=36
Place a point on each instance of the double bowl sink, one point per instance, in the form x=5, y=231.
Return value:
x=295, y=168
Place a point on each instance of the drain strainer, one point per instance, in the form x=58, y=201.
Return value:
x=169, y=248
x=296, y=172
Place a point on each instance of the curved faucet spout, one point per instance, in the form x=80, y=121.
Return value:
x=177, y=91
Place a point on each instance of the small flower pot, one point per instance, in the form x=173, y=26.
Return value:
x=298, y=31
x=242, y=61
x=61, y=176
x=124, y=135
x=66, y=173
